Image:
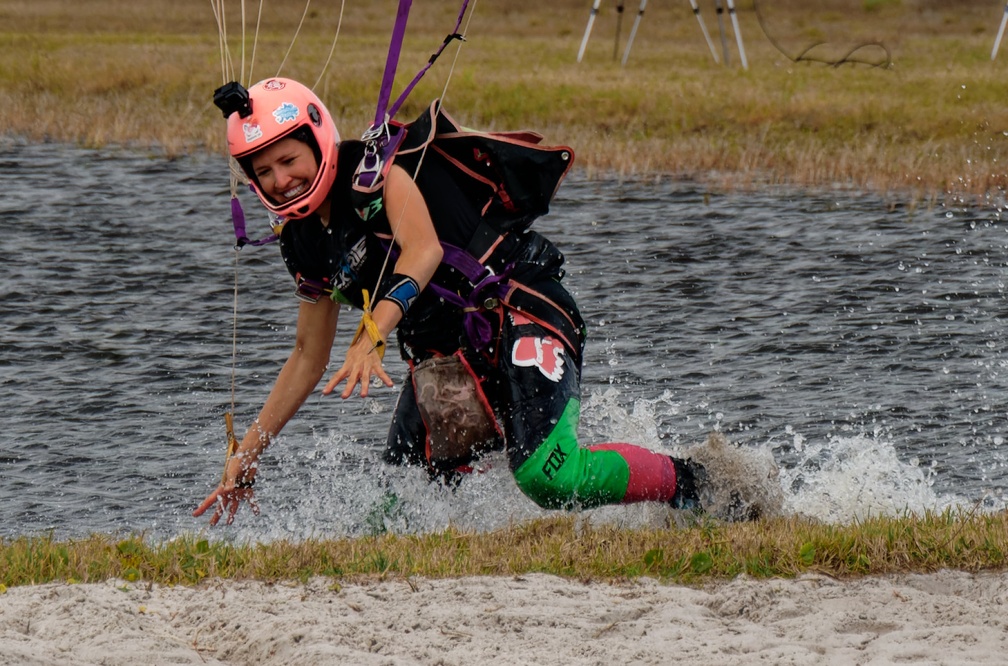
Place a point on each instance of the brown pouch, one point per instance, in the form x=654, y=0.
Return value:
x=454, y=408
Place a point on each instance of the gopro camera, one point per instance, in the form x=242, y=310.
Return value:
x=232, y=97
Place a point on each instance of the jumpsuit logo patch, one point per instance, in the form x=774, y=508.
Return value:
x=370, y=210
x=546, y=354
x=554, y=462
x=350, y=266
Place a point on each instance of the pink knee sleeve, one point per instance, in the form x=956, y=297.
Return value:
x=652, y=475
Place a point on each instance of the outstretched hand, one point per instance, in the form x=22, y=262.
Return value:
x=227, y=499
x=362, y=363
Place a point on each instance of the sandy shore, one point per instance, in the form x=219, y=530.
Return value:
x=943, y=618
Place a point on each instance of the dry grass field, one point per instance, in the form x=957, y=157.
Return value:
x=931, y=122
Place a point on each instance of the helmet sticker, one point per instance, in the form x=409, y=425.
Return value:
x=546, y=354
x=252, y=132
x=285, y=113
x=274, y=85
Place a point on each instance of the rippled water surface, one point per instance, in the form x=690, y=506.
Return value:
x=858, y=341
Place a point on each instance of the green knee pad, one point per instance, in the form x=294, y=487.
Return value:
x=560, y=474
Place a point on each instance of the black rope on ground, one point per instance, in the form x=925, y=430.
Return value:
x=805, y=56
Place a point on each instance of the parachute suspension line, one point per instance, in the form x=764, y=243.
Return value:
x=255, y=42
x=444, y=91
x=235, y=176
x=234, y=330
x=458, y=52
x=222, y=43
x=227, y=63
x=228, y=74
x=332, y=49
x=227, y=71
x=294, y=38
x=242, y=70
x=232, y=441
x=434, y=56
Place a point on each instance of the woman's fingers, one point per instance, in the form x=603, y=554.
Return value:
x=226, y=501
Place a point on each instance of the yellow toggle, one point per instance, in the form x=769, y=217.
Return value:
x=368, y=325
x=232, y=443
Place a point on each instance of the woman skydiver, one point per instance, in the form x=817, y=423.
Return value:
x=493, y=340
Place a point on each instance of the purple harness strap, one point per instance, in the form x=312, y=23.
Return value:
x=381, y=139
x=409, y=88
x=238, y=220
x=488, y=287
x=392, y=62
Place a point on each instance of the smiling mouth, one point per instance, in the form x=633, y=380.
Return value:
x=295, y=191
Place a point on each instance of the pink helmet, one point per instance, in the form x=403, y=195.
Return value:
x=279, y=108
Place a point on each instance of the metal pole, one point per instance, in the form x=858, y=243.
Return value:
x=619, y=28
x=703, y=29
x=720, y=25
x=588, y=29
x=633, y=31
x=997, y=42
x=738, y=35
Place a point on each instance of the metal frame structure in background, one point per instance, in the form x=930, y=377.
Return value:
x=719, y=9
x=1000, y=32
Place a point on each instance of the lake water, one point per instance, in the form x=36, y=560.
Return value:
x=858, y=341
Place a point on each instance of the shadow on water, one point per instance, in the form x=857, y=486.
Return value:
x=859, y=342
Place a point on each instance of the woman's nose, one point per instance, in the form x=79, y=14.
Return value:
x=282, y=177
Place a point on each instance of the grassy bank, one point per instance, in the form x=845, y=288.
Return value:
x=563, y=546
x=141, y=72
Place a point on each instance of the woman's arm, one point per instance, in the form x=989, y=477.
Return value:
x=316, y=329
x=420, y=254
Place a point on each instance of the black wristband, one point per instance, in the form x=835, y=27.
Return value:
x=402, y=291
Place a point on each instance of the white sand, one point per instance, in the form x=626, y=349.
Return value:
x=943, y=618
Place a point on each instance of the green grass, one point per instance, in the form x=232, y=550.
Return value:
x=564, y=546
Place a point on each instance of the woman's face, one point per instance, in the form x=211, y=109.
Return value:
x=285, y=169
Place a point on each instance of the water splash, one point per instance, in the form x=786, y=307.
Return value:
x=741, y=483
x=842, y=479
x=347, y=491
